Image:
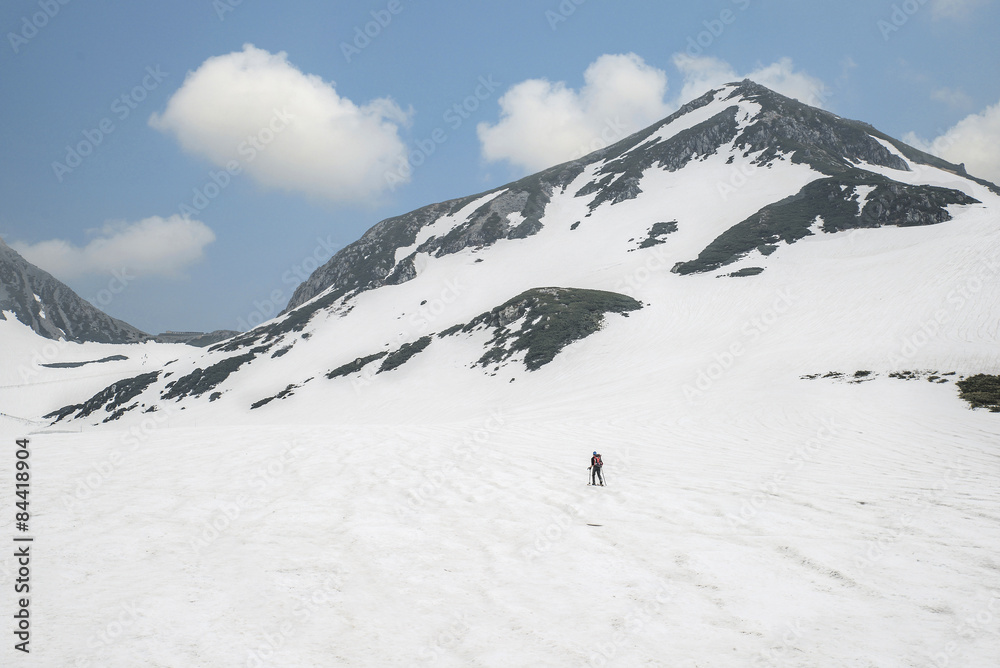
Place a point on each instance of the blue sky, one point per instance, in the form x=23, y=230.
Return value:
x=283, y=131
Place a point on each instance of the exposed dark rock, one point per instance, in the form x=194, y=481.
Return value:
x=75, y=365
x=355, y=366
x=399, y=357
x=833, y=200
x=657, y=233
x=110, y=398
x=284, y=394
x=553, y=319
x=58, y=312
x=200, y=380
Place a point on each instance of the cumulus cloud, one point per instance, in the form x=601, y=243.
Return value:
x=285, y=128
x=544, y=123
x=704, y=72
x=151, y=247
x=973, y=140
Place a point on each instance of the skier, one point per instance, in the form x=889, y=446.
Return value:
x=595, y=469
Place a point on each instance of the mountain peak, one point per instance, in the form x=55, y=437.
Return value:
x=53, y=310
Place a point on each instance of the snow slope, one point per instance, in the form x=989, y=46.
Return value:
x=846, y=526
x=760, y=510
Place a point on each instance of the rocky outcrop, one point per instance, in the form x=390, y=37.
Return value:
x=835, y=203
x=51, y=309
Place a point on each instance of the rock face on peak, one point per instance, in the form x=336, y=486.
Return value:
x=746, y=118
x=51, y=309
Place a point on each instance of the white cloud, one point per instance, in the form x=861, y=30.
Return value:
x=953, y=97
x=285, y=128
x=151, y=247
x=544, y=123
x=703, y=73
x=973, y=140
x=956, y=9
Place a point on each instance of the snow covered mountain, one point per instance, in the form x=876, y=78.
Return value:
x=741, y=200
x=51, y=309
x=758, y=312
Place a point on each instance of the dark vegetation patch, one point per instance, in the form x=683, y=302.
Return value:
x=201, y=380
x=454, y=329
x=767, y=249
x=111, y=398
x=74, y=365
x=657, y=233
x=835, y=201
x=284, y=394
x=280, y=352
x=355, y=366
x=401, y=356
x=552, y=318
x=747, y=271
x=981, y=391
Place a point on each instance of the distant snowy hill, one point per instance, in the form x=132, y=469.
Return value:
x=51, y=309
x=742, y=203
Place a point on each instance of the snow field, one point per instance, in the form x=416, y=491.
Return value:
x=844, y=525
